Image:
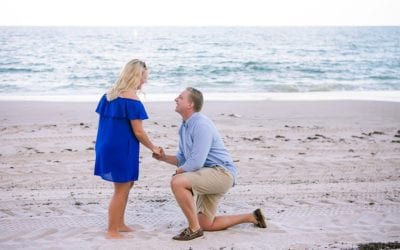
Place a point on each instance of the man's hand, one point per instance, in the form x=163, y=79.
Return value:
x=170, y=159
x=178, y=171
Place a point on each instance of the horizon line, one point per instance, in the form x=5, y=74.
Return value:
x=199, y=26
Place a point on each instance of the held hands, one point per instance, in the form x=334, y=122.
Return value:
x=158, y=153
x=156, y=150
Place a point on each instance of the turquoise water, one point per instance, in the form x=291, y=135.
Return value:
x=46, y=61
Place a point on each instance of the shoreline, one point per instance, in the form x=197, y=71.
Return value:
x=390, y=96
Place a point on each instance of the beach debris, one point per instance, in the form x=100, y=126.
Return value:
x=373, y=133
x=83, y=125
x=287, y=126
x=235, y=115
x=159, y=200
x=258, y=138
x=319, y=136
x=358, y=137
x=379, y=245
x=395, y=141
x=279, y=137
x=50, y=126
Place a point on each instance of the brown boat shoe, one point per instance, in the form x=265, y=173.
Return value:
x=260, y=218
x=188, y=234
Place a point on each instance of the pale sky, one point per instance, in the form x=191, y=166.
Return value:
x=199, y=12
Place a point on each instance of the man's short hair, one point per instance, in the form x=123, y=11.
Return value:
x=196, y=97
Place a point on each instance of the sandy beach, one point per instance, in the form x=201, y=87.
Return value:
x=326, y=173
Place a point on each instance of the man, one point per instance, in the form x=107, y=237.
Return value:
x=205, y=170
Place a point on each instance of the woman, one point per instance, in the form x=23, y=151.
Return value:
x=117, y=146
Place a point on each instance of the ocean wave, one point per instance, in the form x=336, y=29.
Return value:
x=254, y=59
x=257, y=66
x=24, y=70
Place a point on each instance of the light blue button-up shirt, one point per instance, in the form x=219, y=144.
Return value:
x=200, y=145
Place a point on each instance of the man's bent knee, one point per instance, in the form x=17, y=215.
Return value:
x=179, y=181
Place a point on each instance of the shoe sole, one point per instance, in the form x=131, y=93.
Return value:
x=260, y=218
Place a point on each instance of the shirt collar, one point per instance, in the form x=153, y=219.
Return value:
x=191, y=119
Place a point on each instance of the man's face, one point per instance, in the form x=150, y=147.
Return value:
x=183, y=102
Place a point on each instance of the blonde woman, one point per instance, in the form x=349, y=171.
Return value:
x=119, y=134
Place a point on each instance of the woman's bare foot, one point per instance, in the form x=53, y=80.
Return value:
x=114, y=235
x=125, y=228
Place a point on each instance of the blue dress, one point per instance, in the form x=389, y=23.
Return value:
x=117, y=148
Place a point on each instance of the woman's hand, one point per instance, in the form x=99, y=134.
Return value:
x=159, y=154
x=156, y=150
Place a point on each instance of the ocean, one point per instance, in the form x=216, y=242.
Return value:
x=81, y=63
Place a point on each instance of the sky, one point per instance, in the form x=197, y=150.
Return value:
x=199, y=12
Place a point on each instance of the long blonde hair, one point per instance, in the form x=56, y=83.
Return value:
x=129, y=78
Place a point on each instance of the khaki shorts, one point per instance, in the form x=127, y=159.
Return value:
x=209, y=185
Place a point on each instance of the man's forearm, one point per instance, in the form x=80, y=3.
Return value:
x=171, y=159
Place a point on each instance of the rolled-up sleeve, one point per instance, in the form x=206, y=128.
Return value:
x=180, y=156
x=202, y=140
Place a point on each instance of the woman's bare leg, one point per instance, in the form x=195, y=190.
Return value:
x=116, y=209
x=123, y=227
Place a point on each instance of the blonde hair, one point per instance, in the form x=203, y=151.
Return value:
x=129, y=78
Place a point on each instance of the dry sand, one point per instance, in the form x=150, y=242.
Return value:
x=327, y=175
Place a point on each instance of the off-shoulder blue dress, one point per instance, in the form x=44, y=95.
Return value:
x=117, y=148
